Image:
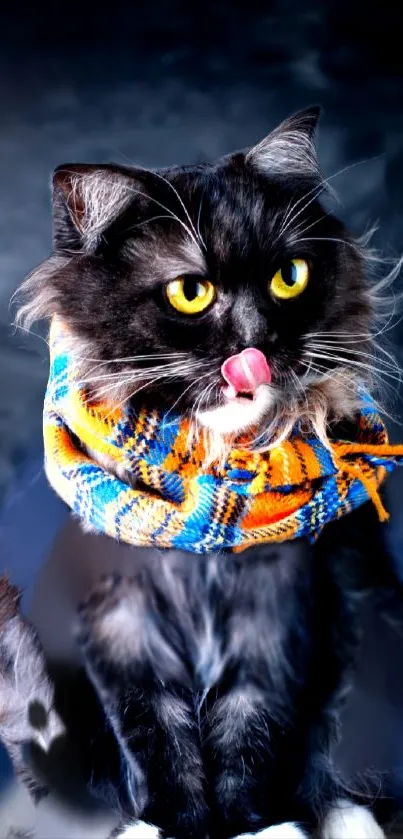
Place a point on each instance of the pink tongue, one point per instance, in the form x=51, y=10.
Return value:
x=245, y=372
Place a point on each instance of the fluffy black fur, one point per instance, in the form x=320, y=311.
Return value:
x=221, y=676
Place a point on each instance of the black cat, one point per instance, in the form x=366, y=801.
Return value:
x=222, y=676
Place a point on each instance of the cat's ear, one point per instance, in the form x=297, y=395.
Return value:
x=86, y=199
x=290, y=148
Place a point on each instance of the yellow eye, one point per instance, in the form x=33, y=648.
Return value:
x=190, y=295
x=291, y=280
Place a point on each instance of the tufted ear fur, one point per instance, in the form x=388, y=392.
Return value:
x=290, y=147
x=86, y=199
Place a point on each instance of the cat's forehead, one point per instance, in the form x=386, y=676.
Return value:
x=236, y=185
x=234, y=191
x=236, y=208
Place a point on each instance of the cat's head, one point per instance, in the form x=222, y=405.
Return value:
x=225, y=290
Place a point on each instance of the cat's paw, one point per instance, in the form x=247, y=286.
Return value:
x=350, y=821
x=286, y=830
x=139, y=830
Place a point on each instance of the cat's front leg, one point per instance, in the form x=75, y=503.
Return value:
x=272, y=717
x=248, y=719
x=137, y=663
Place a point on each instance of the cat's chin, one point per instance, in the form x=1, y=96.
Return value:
x=237, y=415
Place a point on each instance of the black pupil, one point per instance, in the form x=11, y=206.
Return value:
x=288, y=273
x=190, y=288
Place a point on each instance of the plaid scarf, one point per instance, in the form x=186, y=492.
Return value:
x=291, y=491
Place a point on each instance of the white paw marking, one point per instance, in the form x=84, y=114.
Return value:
x=287, y=830
x=349, y=821
x=140, y=830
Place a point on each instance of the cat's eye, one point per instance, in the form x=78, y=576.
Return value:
x=290, y=280
x=190, y=295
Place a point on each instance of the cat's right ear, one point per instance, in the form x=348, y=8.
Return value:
x=86, y=199
x=290, y=148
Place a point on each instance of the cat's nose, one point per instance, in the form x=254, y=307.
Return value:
x=245, y=371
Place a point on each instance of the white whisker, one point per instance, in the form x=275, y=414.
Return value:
x=141, y=373
x=115, y=407
x=328, y=346
x=130, y=358
x=204, y=397
x=192, y=231
x=318, y=188
x=159, y=175
x=344, y=336
x=330, y=373
x=147, y=221
x=287, y=222
x=198, y=223
x=365, y=336
x=28, y=331
x=167, y=358
x=299, y=234
x=192, y=384
x=170, y=212
x=299, y=231
x=367, y=368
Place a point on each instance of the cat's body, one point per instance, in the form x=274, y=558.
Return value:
x=222, y=675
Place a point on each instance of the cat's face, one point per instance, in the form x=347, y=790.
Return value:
x=165, y=278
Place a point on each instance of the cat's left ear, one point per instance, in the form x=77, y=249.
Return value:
x=290, y=148
x=86, y=199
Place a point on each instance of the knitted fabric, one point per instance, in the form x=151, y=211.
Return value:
x=291, y=491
